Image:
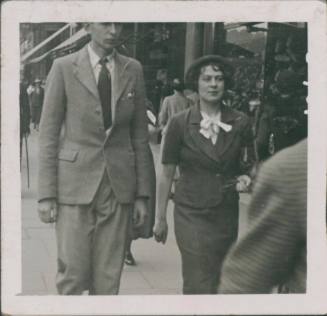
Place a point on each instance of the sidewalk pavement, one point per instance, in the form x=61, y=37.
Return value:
x=158, y=269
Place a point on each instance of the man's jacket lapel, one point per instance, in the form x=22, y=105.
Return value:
x=121, y=79
x=84, y=73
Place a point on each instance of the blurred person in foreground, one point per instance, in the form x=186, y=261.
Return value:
x=94, y=160
x=206, y=143
x=273, y=250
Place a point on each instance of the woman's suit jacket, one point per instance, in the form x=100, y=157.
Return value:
x=75, y=149
x=205, y=169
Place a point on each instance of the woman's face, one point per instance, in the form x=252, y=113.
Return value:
x=211, y=84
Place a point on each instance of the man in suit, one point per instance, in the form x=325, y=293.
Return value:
x=273, y=250
x=93, y=160
x=36, y=97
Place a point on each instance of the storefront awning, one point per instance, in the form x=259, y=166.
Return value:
x=30, y=53
x=68, y=43
x=72, y=40
x=38, y=59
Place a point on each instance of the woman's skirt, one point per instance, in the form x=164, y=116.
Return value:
x=204, y=237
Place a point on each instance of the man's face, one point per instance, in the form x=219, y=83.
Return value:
x=105, y=36
x=211, y=84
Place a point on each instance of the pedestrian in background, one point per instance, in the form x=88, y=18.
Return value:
x=173, y=104
x=24, y=113
x=146, y=230
x=36, y=97
x=273, y=250
x=94, y=160
x=30, y=89
x=206, y=143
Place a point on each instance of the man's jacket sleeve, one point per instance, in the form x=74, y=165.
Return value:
x=140, y=138
x=53, y=113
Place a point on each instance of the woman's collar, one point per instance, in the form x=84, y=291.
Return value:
x=228, y=114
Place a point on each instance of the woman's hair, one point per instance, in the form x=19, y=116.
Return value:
x=195, y=74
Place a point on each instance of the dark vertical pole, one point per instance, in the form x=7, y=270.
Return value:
x=208, y=38
x=193, y=42
x=269, y=62
x=135, y=38
x=219, y=39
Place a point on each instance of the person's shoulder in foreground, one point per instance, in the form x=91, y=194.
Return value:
x=273, y=249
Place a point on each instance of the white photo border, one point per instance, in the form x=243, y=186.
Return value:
x=15, y=12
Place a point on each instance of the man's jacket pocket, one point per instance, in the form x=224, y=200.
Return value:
x=68, y=155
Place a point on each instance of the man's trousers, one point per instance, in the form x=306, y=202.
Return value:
x=91, y=241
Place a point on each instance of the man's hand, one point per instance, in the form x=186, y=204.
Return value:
x=140, y=212
x=47, y=210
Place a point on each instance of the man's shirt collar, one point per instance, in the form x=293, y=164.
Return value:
x=94, y=58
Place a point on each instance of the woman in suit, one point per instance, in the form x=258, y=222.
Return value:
x=205, y=142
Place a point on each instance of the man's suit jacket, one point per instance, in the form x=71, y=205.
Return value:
x=273, y=250
x=75, y=149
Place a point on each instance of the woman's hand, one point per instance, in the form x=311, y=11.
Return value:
x=160, y=230
x=243, y=183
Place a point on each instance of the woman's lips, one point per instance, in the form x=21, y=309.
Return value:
x=111, y=41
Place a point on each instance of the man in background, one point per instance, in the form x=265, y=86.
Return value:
x=36, y=97
x=24, y=112
x=173, y=104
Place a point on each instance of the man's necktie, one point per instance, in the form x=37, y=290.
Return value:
x=104, y=87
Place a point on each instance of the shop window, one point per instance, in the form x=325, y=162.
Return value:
x=245, y=47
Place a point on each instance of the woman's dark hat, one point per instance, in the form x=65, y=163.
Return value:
x=205, y=60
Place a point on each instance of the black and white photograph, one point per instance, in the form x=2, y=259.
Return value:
x=164, y=158
x=253, y=75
